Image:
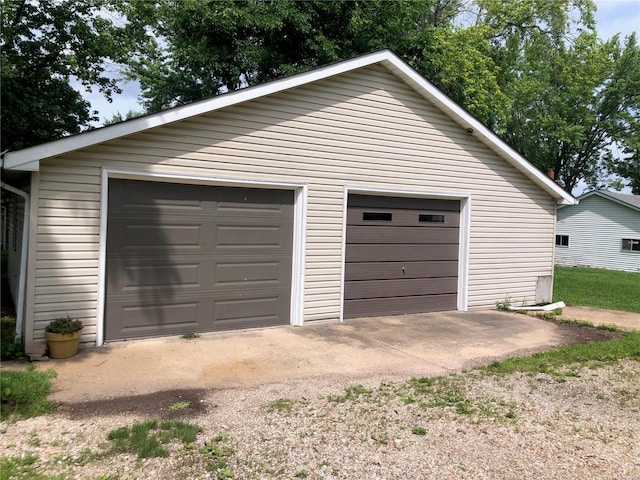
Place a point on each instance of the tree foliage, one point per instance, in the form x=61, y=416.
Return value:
x=44, y=44
x=201, y=49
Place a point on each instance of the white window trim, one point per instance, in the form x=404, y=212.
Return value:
x=463, y=240
x=299, y=231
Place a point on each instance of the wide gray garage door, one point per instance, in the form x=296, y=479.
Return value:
x=196, y=258
x=401, y=255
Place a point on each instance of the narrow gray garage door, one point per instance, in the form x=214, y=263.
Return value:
x=401, y=255
x=196, y=258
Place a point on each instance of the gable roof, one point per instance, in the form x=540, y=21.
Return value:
x=631, y=201
x=29, y=158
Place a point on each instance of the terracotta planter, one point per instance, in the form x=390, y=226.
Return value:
x=63, y=345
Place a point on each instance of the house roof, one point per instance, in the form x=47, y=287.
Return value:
x=631, y=201
x=29, y=158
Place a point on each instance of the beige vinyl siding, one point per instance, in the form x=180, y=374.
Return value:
x=596, y=227
x=365, y=129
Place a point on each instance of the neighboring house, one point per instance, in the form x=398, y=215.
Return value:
x=602, y=231
x=352, y=190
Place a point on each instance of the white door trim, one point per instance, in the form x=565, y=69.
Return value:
x=299, y=230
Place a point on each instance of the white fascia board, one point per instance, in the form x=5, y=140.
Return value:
x=485, y=135
x=28, y=158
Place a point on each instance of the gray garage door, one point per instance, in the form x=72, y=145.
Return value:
x=401, y=256
x=196, y=258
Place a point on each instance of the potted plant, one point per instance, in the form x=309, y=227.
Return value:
x=63, y=337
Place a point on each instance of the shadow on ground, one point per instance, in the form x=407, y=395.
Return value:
x=156, y=405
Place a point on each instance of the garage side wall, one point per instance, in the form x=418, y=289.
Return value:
x=364, y=129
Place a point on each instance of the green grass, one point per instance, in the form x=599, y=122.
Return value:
x=18, y=468
x=146, y=439
x=597, y=287
x=626, y=346
x=25, y=393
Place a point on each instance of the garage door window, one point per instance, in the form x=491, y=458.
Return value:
x=431, y=218
x=377, y=216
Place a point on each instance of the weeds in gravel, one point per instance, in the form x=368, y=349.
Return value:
x=281, y=405
x=350, y=393
x=216, y=452
x=25, y=393
x=146, y=439
x=419, y=431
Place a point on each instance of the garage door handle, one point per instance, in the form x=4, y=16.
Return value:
x=404, y=271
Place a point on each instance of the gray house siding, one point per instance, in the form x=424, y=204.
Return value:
x=596, y=227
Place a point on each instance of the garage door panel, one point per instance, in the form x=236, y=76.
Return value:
x=399, y=287
x=426, y=218
x=399, y=235
x=408, y=253
x=127, y=321
x=395, y=270
x=371, y=307
x=197, y=258
x=259, y=271
x=408, y=203
x=401, y=255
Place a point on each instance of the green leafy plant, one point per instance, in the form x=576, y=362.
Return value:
x=64, y=325
x=190, y=336
x=419, y=431
x=179, y=406
x=9, y=348
x=25, y=393
x=505, y=305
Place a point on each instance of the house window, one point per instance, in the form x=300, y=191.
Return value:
x=562, y=240
x=631, y=245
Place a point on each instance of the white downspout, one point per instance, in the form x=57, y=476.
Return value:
x=23, y=259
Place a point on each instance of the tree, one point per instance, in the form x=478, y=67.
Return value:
x=44, y=44
x=202, y=49
x=571, y=103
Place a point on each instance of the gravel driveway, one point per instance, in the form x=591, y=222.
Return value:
x=581, y=423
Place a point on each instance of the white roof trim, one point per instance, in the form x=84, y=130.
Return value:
x=29, y=158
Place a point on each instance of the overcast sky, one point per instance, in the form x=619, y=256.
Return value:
x=613, y=16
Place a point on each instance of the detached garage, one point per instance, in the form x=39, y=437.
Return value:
x=353, y=190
